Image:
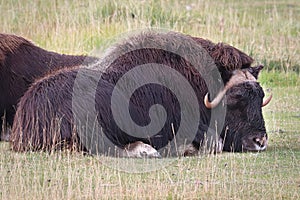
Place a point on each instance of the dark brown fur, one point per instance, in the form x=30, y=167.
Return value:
x=50, y=97
x=44, y=117
x=227, y=58
x=21, y=62
x=45, y=120
x=225, y=55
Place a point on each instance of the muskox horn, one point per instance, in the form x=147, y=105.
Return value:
x=267, y=101
x=216, y=100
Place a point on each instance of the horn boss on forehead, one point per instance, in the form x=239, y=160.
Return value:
x=238, y=77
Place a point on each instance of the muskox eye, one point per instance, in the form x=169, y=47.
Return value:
x=239, y=96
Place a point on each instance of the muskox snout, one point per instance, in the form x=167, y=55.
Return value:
x=256, y=143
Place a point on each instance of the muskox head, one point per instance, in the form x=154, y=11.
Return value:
x=244, y=128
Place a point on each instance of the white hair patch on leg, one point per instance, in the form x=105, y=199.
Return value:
x=140, y=150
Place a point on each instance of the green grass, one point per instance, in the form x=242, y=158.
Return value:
x=267, y=30
x=277, y=78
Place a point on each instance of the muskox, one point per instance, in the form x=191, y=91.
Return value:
x=46, y=115
x=21, y=62
x=243, y=128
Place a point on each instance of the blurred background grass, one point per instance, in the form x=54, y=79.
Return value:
x=267, y=30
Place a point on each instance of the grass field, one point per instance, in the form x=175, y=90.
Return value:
x=267, y=30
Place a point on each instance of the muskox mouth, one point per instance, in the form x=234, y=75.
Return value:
x=257, y=143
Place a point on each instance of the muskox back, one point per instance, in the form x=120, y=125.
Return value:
x=133, y=52
x=21, y=62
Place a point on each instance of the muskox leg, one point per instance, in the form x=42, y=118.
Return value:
x=139, y=150
x=191, y=150
x=206, y=141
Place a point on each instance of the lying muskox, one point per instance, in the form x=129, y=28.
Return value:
x=243, y=128
x=52, y=114
x=21, y=62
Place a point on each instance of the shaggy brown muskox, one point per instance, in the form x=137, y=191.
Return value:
x=21, y=62
x=48, y=101
x=243, y=128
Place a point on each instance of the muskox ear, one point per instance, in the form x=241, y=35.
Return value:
x=255, y=70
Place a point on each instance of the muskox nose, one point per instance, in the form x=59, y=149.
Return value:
x=261, y=142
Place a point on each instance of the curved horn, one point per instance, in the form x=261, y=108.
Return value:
x=216, y=101
x=238, y=77
x=267, y=101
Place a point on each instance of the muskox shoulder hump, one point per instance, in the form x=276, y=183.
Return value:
x=8, y=43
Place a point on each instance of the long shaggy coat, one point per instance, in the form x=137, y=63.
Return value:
x=49, y=100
